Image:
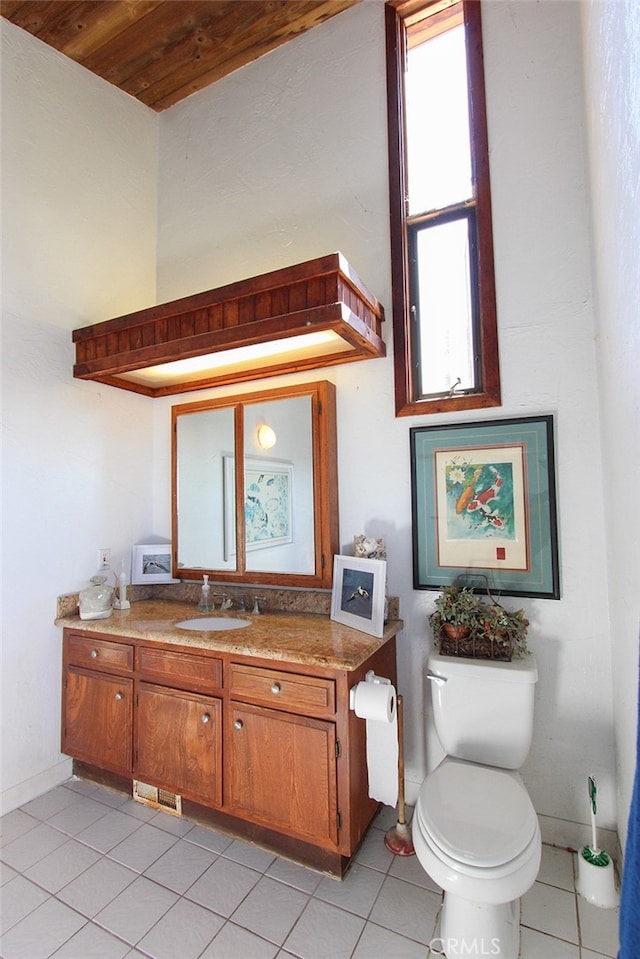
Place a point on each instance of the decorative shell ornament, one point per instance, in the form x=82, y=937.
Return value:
x=369, y=547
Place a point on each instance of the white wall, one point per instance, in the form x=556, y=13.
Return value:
x=286, y=160
x=79, y=175
x=611, y=71
x=547, y=341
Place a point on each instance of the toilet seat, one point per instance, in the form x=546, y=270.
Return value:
x=476, y=816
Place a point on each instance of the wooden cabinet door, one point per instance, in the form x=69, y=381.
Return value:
x=179, y=742
x=97, y=719
x=281, y=771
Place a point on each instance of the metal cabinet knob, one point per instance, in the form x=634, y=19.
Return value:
x=238, y=724
x=276, y=688
x=205, y=718
x=118, y=697
x=94, y=654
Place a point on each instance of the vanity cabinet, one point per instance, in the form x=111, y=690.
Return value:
x=178, y=725
x=262, y=746
x=282, y=765
x=97, y=703
x=178, y=738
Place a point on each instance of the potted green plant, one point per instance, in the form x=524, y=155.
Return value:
x=505, y=629
x=457, y=612
x=465, y=625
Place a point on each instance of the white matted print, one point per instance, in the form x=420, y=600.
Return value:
x=151, y=564
x=358, y=593
x=268, y=503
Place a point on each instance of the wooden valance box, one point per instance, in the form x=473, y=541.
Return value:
x=139, y=351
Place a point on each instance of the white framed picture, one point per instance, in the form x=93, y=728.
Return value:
x=151, y=564
x=357, y=599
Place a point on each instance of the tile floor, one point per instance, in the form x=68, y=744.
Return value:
x=87, y=873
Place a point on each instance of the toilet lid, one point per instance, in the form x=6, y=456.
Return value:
x=476, y=814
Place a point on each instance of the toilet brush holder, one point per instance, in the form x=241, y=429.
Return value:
x=596, y=879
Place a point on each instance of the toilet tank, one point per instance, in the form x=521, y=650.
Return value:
x=483, y=709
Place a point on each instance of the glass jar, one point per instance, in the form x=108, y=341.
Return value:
x=96, y=600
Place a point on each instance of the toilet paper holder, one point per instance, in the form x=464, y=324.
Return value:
x=369, y=677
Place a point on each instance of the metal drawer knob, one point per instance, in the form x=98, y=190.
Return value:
x=238, y=724
x=118, y=697
x=276, y=688
x=94, y=654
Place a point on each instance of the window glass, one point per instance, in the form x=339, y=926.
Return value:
x=444, y=305
x=444, y=308
x=438, y=150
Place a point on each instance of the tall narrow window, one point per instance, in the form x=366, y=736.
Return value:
x=444, y=312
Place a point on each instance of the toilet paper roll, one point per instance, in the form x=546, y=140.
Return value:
x=375, y=702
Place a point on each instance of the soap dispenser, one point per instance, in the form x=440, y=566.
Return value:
x=205, y=605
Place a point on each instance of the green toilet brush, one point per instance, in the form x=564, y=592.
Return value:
x=596, y=880
x=592, y=854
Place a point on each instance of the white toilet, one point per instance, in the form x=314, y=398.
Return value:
x=474, y=829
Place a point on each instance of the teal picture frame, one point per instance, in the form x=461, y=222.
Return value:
x=484, y=506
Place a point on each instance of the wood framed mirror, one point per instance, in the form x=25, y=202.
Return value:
x=274, y=522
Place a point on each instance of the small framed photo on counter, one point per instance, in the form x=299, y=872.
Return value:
x=358, y=593
x=151, y=564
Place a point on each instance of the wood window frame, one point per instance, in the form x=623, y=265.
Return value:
x=398, y=15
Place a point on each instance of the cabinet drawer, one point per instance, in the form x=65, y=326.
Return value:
x=185, y=670
x=99, y=654
x=288, y=691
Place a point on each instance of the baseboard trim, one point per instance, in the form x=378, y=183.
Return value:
x=411, y=790
x=24, y=792
x=575, y=835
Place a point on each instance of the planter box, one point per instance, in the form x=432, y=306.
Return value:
x=472, y=647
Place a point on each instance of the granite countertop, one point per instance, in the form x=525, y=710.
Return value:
x=305, y=638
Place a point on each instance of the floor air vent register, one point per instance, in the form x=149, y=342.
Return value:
x=158, y=798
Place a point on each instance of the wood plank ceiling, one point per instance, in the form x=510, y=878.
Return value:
x=161, y=51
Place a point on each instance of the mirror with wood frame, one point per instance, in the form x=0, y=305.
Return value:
x=274, y=522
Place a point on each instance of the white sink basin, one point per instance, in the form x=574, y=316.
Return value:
x=207, y=623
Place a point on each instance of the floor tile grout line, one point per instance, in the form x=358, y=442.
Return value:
x=136, y=875
x=545, y=932
x=88, y=920
x=261, y=872
x=226, y=919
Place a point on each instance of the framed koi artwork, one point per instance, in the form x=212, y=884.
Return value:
x=484, y=506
